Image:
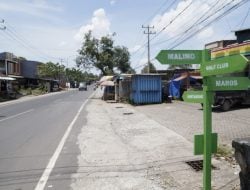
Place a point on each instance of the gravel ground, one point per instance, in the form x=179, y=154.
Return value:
x=145, y=147
x=186, y=120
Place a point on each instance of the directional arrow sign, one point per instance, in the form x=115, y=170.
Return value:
x=229, y=64
x=193, y=96
x=179, y=57
x=228, y=83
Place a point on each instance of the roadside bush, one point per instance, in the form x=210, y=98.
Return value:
x=25, y=91
x=38, y=91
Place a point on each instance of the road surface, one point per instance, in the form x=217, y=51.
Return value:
x=38, y=140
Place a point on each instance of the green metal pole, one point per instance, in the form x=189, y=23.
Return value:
x=207, y=122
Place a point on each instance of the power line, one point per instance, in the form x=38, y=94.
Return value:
x=141, y=56
x=15, y=36
x=148, y=32
x=215, y=19
x=181, y=33
x=27, y=42
x=179, y=14
x=199, y=21
x=158, y=10
x=145, y=43
x=193, y=25
x=15, y=39
x=243, y=21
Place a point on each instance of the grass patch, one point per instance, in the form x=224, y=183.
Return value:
x=225, y=152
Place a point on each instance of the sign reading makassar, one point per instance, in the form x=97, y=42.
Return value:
x=193, y=96
x=228, y=83
x=178, y=57
x=225, y=65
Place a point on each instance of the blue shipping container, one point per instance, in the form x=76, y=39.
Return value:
x=146, y=89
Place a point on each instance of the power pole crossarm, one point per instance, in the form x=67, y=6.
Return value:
x=148, y=32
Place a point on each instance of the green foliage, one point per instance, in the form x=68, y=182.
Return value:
x=224, y=151
x=121, y=59
x=50, y=70
x=25, y=91
x=56, y=71
x=103, y=55
x=151, y=66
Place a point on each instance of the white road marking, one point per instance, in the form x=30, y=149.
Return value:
x=46, y=173
x=13, y=116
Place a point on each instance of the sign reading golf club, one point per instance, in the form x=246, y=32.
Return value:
x=206, y=143
x=193, y=96
x=225, y=65
x=178, y=57
x=228, y=83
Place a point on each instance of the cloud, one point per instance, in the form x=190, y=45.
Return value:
x=112, y=2
x=62, y=43
x=179, y=24
x=37, y=8
x=207, y=33
x=99, y=25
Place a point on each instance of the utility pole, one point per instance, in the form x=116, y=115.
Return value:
x=148, y=32
x=59, y=73
x=3, y=27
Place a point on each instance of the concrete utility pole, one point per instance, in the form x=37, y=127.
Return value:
x=2, y=27
x=148, y=32
x=59, y=73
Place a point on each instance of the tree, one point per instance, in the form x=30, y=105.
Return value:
x=50, y=70
x=151, y=68
x=121, y=59
x=102, y=55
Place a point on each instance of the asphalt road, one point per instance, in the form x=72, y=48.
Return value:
x=37, y=134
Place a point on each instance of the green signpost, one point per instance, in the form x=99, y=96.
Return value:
x=225, y=65
x=228, y=83
x=177, y=57
x=206, y=143
x=193, y=96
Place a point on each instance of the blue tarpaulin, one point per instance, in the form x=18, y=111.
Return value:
x=176, y=83
x=174, y=89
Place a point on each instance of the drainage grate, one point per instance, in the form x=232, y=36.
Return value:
x=197, y=165
x=119, y=107
x=128, y=113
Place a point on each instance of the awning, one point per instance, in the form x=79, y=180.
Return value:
x=180, y=78
x=15, y=76
x=107, y=83
x=185, y=76
x=105, y=78
x=196, y=77
x=7, y=78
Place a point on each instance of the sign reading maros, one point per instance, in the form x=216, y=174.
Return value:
x=179, y=57
x=228, y=83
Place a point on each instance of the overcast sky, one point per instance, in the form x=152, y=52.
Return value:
x=52, y=30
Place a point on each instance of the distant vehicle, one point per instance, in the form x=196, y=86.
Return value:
x=82, y=86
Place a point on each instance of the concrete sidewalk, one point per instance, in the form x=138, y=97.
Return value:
x=122, y=148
